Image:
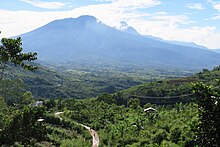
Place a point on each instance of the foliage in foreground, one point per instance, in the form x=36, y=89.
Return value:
x=23, y=127
x=124, y=124
x=170, y=125
x=208, y=98
x=11, y=52
x=116, y=125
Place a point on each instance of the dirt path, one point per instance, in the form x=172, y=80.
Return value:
x=93, y=133
x=95, y=137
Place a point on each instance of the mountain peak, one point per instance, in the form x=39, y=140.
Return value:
x=71, y=22
x=87, y=18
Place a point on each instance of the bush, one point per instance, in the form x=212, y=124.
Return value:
x=159, y=136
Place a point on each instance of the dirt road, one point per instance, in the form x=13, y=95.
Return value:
x=93, y=133
x=95, y=137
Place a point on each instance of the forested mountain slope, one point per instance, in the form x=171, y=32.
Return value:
x=83, y=81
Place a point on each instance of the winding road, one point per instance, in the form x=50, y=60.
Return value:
x=93, y=133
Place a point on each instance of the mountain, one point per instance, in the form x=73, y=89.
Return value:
x=125, y=28
x=216, y=50
x=87, y=40
x=187, y=44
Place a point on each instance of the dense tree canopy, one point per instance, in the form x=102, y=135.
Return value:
x=209, y=114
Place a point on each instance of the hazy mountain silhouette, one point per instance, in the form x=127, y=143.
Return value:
x=86, y=39
x=216, y=50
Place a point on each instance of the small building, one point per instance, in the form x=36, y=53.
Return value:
x=38, y=104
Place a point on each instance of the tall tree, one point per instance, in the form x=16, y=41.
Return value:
x=209, y=114
x=11, y=52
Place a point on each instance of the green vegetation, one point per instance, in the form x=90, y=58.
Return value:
x=119, y=120
x=209, y=114
x=169, y=112
x=84, y=81
x=11, y=52
x=169, y=90
x=116, y=125
x=23, y=127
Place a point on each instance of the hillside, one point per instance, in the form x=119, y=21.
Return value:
x=50, y=83
x=168, y=91
x=217, y=50
x=82, y=81
x=116, y=124
x=118, y=119
x=87, y=40
x=87, y=82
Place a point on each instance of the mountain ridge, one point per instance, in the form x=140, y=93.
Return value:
x=86, y=39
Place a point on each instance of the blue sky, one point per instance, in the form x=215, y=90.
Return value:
x=184, y=20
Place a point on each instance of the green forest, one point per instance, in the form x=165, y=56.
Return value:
x=47, y=107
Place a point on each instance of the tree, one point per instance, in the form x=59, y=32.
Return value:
x=27, y=98
x=122, y=128
x=11, y=52
x=159, y=136
x=134, y=103
x=12, y=90
x=209, y=114
x=24, y=127
x=107, y=98
x=3, y=105
x=3, y=112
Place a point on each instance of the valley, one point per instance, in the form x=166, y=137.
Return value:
x=132, y=90
x=118, y=118
x=82, y=81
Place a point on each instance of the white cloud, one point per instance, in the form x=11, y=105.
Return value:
x=216, y=17
x=46, y=5
x=215, y=5
x=171, y=19
x=17, y=22
x=159, y=24
x=161, y=13
x=104, y=0
x=197, y=6
x=169, y=30
x=132, y=4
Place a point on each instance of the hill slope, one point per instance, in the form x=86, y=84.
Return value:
x=217, y=50
x=168, y=91
x=49, y=83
